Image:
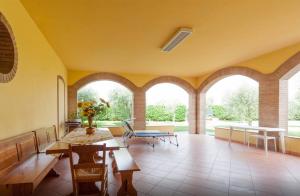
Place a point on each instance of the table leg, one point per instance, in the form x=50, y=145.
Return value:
x=230, y=135
x=281, y=135
x=127, y=186
x=266, y=142
x=245, y=133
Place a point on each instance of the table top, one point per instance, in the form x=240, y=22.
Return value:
x=268, y=129
x=78, y=136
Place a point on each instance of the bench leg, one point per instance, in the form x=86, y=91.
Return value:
x=53, y=173
x=127, y=186
x=111, y=153
x=114, y=166
x=22, y=189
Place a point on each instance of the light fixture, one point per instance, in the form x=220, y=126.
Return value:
x=180, y=35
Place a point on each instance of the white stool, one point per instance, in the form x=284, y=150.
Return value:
x=257, y=136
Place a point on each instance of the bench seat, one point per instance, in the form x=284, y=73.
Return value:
x=124, y=161
x=29, y=173
x=125, y=164
x=22, y=164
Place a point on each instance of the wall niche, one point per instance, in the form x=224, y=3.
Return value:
x=8, y=52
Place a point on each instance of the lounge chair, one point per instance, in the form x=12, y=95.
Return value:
x=154, y=134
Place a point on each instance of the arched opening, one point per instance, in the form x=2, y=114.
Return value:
x=231, y=101
x=289, y=101
x=120, y=99
x=167, y=104
x=294, y=105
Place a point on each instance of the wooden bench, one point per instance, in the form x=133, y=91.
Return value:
x=124, y=163
x=45, y=137
x=22, y=167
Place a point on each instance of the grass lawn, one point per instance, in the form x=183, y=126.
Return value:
x=179, y=127
x=294, y=126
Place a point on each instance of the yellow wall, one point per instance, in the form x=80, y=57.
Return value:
x=138, y=79
x=29, y=100
x=292, y=145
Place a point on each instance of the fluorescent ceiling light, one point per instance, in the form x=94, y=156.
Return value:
x=180, y=35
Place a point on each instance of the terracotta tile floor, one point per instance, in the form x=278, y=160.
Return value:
x=201, y=165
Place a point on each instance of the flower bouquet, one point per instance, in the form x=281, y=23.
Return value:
x=90, y=109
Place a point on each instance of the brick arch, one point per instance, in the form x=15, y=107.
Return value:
x=104, y=76
x=184, y=85
x=287, y=69
x=72, y=89
x=280, y=77
x=170, y=79
x=214, y=78
x=226, y=72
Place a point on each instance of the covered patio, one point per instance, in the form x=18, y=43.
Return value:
x=49, y=50
x=202, y=165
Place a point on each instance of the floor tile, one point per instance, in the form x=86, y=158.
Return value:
x=201, y=165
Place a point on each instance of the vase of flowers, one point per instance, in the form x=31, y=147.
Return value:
x=90, y=109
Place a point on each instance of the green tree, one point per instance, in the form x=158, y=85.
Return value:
x=180, y=113
x=159, y=113
x=121, y=104
x=243, y=104
x=294, y=107
x=221, y=112
x=86, y=94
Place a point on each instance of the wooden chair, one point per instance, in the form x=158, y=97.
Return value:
x=90, y=167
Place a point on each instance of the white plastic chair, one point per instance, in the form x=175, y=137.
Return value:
x=257, y=136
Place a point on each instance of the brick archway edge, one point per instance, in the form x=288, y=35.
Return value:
x=138, y=93
x=210, y=81
x=273, y=93
x=104, y=76
x=184, y=85
x=170, y=79
x=72, y=90
x=229, y=71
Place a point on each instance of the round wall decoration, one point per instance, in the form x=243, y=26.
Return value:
x=8, y=52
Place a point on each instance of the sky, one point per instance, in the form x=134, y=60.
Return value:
x=104, y=87
x=166, y=93
x=226, y=86
x=294, y=85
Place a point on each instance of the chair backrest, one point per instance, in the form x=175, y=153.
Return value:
x=90, y=156
x=128, y=129
x=45, y=137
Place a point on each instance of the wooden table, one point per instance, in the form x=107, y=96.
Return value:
x=63, y=147
x=265, y=131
